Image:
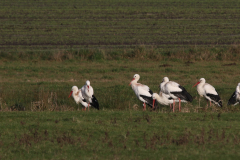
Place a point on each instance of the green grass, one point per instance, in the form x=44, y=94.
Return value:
x=49, y=26
x=46, y=47
x=119, y=135
x=26, y=82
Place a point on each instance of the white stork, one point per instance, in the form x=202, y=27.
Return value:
x=88, y=94
x=235, y=98
x=77, y=96
x=208, y=91
x=175, y=91
x=143, y=92
x=164, y=99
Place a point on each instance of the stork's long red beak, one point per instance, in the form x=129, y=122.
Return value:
x=153, y=103
x=196, y=84
x=70, y=94
x=131, y=81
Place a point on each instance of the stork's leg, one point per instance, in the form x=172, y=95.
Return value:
x=170, y=106
x=82, y=109
x=144, y=106
x=179, y=104
x=85, y=109
x=173, y=105
x=210, y=103
x=199, y=102
x=88, y=106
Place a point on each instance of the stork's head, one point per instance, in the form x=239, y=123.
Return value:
x=74, y=89
x=201, y=80
x=238, y=88
x=88, y=84
x=154, y=96
x=136, y=77
x=165, y=79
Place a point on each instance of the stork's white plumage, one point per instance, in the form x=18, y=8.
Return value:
x=208, y=91
x=88, y=94
x=175, y=91
x=143, y=92
x=77, y=96
x=164, y=99
x=235, y=98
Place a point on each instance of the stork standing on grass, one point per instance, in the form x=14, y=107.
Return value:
x=88, y=94
x=77, y=96
x=143, y=92
x=235, y=98
x=208, y=91
x=175, y=91
x=164, y=99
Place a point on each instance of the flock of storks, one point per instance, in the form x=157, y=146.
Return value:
x=170, y=93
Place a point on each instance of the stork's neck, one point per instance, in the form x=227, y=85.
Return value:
x=76, y=97
x=201, y=84
x=162, y=84
x=158, y=98
x=134, y=81
x=238, y=89
x=134, y=84
x=87, y=87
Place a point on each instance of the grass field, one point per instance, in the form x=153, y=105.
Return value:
x=46, y=47
x=49, y=83
x=119, y=135
x=49, y=26
x=120, y=130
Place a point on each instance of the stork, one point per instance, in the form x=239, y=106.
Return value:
x=88, y=94
x=208, y=91
x=164, y=99
x=143, y=92
x=77, y=96
x=175, y=91
x=235, y=98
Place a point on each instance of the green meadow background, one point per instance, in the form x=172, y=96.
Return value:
x=48, y=46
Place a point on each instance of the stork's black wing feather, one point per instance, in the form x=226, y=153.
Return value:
x=232, y=100
x=95, y=102
x=215, y=98
x=151, y=92
x=184, y=95
x=149, y=101
x=84, y=100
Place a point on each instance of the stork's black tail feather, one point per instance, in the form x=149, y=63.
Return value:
x=95, y=102
x=220, y=103
x=215, y=99
x=232, y=100
x=149, y=101
x=184, y=95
